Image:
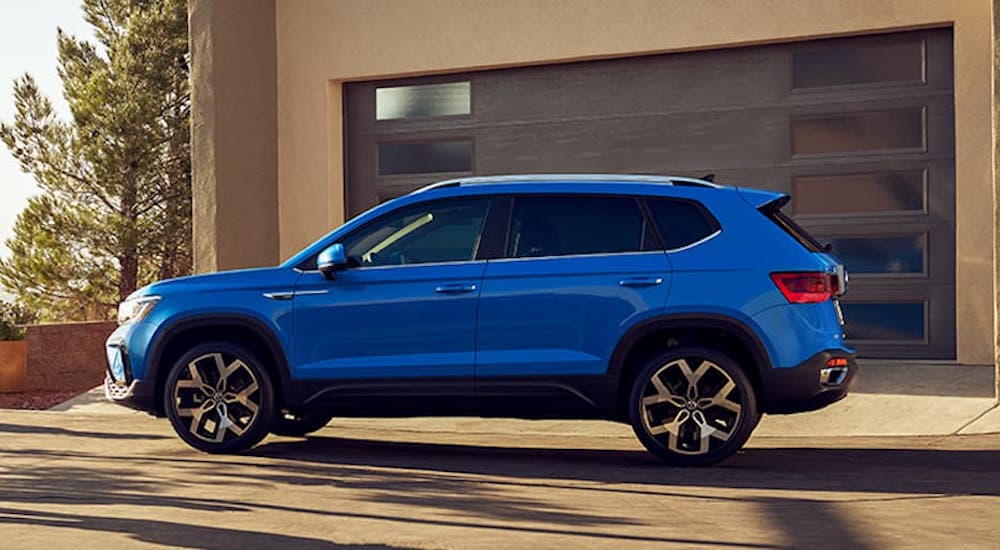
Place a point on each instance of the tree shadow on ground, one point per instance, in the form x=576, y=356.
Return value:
x=486, y=487
x=178, y=535
x=48, y=430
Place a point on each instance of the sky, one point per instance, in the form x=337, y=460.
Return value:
x=28, y=44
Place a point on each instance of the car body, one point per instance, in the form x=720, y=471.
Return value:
x=542, y=296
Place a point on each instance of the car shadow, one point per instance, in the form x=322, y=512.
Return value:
x=869, y=470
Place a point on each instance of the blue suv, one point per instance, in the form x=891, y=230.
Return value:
x=684, y=308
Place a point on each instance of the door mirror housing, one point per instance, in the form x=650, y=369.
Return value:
x=331, y=260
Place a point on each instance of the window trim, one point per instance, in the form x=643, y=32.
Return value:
x=646, y=218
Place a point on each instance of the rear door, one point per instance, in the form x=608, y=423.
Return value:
x=577, y=270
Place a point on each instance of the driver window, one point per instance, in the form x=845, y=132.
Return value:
x=446, y=231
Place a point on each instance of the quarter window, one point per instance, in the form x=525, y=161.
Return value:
x=440, y=232
x=680, y=222
x=562, y=226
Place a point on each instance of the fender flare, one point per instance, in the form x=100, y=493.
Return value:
x=261, y=330
x=746, y=335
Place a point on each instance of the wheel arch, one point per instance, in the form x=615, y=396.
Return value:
x=651, y=336
x=237, y=328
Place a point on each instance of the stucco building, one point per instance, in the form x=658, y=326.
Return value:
x=876, y=115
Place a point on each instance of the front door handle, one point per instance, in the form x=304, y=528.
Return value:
x=640, y=281
x=455, y=289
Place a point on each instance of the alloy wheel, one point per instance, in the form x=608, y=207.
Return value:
x=220, y=394
x=689, y=410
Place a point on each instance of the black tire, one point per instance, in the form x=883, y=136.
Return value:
x=299, y=425
x=692, y=429
x=232, y=383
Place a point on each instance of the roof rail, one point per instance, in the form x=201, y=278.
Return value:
x=611, y=178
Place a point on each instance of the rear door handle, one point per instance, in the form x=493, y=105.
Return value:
x=455, y=289
x=640, y=281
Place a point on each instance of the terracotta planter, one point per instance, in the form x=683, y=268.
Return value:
x=13, y=366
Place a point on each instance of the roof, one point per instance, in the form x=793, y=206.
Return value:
x=553, y=178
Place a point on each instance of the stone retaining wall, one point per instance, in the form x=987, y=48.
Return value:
x=67, y=356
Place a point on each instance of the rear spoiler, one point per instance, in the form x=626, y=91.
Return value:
x=758, y=198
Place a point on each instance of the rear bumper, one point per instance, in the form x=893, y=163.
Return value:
x=811, y=385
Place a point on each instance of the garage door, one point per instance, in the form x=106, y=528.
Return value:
x=860, y=130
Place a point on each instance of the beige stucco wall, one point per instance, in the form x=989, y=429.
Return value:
x=322, y=43
x=234, y=133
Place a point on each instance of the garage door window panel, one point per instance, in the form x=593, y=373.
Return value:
x=423, y=101
x=858, y=132
x=887, y=322
x=896, y=255
x=425, y=157
x=572, y=226
x=851, y=194
x=877, y=61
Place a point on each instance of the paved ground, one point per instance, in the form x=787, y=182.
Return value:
x=122, y=480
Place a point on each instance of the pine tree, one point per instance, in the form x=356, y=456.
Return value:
x=114, y=211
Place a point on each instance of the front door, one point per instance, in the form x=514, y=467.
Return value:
x=402, y=318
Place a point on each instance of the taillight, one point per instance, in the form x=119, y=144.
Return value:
x=805, y=287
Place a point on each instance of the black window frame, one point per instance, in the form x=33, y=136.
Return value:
x=654, y=235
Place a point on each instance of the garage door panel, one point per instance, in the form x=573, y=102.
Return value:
x=859, y=129
x=899, y=322
x=628, y=86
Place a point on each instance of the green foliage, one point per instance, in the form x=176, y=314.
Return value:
x=11, y=316
x=115, y=208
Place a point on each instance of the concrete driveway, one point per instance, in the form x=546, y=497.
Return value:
x=123, y=480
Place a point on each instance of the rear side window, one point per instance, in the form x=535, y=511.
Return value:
x=562, y=226
x=681, y=222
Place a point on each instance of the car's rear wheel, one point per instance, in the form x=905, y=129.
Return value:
x=693, y=406
x=298, y=425
x=219, y=398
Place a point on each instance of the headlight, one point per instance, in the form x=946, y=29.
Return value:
x=136, y=309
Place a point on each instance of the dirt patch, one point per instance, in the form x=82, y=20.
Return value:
x=35, y=400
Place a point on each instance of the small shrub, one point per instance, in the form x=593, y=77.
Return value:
x=13, y=315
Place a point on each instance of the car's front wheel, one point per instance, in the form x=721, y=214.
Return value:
x=693, y=406
x=219, y=398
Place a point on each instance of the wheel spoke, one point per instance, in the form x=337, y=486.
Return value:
x=692, y=429
x=673, y=427
x=721, y=399
x=663, y=395
x=223, y=410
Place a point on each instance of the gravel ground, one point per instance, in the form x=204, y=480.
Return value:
x=35, y=400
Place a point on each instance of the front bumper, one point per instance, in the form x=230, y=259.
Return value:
x=138, y=394
x=119, y=384
x=813, y=384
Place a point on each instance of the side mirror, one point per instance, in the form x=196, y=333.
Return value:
x=331, y=260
